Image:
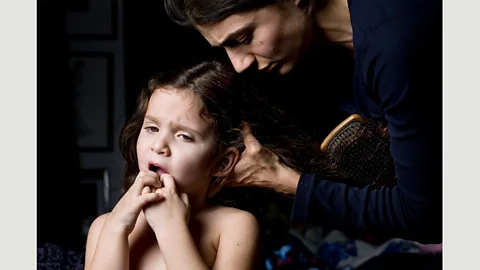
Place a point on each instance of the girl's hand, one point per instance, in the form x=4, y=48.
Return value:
x=173, y=210
x=124, y=215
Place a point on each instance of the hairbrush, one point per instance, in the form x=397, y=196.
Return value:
x=359, y=149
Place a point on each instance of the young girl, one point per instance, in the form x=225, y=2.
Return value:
x=179, y=143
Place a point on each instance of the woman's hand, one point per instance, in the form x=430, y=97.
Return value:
x=124, y=215
x=259, y=167
x=173, y=210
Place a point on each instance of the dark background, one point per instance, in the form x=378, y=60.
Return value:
x=137, y=41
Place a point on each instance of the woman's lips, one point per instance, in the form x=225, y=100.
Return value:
x=271, y=66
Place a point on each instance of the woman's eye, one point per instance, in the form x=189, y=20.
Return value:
x=151, y=129
x=185, y=138
x=246, y=39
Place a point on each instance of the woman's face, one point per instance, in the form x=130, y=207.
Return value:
x=273, y=38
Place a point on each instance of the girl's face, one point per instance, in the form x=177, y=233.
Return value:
x=178, y=140
x=273, y=38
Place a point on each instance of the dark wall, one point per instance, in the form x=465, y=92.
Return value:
x=147, y=42
x=57, y=154
x=153, y=43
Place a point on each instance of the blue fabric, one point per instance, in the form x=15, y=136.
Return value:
x=336, y=251
x=52, y=256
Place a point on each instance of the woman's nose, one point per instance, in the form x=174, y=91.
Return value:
x=240, y=60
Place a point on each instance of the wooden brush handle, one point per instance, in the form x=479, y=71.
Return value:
x=345, y=123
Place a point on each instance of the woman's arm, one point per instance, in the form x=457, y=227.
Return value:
x=403, y=67
x=107, y=247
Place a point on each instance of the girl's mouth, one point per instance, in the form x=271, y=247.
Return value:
x=156, y=168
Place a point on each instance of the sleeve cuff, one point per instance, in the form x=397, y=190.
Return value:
x=301, y=202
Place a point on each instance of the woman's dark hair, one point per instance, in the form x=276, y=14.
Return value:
x=202, y=12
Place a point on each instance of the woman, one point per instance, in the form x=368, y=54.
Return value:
x=397, y=79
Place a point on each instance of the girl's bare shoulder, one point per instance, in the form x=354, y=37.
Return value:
x=228, y=216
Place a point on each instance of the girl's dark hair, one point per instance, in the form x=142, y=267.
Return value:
x=227, y=99
x=201, y=12
x=212, y=81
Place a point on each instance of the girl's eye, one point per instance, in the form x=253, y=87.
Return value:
x=151, y=129
x=185, y=138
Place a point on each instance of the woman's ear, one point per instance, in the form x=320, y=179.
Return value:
x=222, y=169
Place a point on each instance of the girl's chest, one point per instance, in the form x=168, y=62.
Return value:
x=145, y=253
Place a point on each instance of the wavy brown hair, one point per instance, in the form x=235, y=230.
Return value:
x=227, y=98
x=212, y=81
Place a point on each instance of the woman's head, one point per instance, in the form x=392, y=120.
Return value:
x=268, y=35
x=184, y=126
